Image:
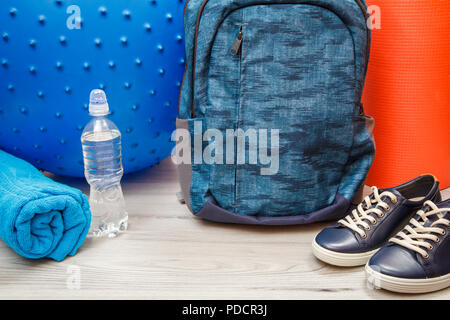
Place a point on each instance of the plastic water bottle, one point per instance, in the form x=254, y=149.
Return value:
x=101, y=141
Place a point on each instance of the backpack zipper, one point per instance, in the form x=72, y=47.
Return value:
x=197, y=25
x=237, y=44
x=236, y=50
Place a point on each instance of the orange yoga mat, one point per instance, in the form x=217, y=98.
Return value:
x=407, y=90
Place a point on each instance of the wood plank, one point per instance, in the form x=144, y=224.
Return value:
x=168, y=254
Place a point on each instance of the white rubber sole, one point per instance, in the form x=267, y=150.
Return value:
x=341, y=259
x=378, y=280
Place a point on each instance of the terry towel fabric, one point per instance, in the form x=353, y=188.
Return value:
x=39, y=217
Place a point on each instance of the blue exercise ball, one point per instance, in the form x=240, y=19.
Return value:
x=54, y=52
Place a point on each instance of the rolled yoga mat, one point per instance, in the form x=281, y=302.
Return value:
x=40, y=218
x=407, y=90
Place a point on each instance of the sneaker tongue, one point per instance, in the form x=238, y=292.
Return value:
x=391, y=190
x=430, y=220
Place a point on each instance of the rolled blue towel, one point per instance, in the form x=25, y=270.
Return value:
x=39, y=217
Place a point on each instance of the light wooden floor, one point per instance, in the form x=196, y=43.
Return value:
x=167, y=254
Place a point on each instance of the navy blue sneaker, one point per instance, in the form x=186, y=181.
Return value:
x=417, y=259
x=353, y=240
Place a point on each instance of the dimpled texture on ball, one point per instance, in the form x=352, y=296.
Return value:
x=54, y=52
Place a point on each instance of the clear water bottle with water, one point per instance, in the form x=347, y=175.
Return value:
x=101, y=141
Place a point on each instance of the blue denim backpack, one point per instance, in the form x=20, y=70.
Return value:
x=284, y=78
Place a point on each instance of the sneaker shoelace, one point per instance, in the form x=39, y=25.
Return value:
x=413, y=236
x=356, y=220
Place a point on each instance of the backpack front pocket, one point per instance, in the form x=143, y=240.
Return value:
x=297, y=79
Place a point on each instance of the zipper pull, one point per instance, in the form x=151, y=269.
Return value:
x=237, y=44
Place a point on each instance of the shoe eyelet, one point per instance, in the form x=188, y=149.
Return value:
x=437, y=240
x=381, y=215
x=426, y=256
x=368, y=228
x=430, y=247
x=394, y=201
x=443, y=232
x=364, y=236
x=388, y=208
x=374, y=223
